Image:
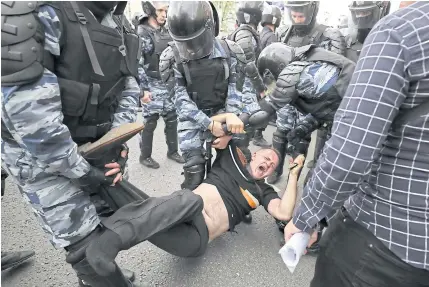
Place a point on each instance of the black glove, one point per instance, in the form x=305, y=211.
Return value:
x=302, y=129
x=94, y=177
x=123, y=160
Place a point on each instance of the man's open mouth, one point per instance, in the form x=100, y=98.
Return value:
x=262, y=168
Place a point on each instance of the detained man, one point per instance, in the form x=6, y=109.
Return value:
x=184, y=222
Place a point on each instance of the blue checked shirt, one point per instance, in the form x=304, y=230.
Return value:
x=381, y=175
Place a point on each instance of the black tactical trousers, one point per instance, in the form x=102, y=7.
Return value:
x=351, y=256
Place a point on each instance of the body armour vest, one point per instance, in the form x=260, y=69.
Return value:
x=208, y=86
x=160, y=39
x=314, y=37
x=255, y=35
x=89, y=98
x=265, y=35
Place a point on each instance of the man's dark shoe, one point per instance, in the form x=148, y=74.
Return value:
x=247, y=218
x=176, y=157
x=149, y=162
x=273, y=178
x=128, y=274
x=12, y=259
x=281, y=224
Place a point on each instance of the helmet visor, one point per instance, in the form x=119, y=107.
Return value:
x=300, y=14
x=364, y=14
x=197, y=47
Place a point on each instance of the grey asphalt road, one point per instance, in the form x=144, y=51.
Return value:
x=243, y=259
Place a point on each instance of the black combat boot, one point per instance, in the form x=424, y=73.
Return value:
x=280, y=144
x=128, y=274
x=258, y=139
x=147, y=141
x=14, y=258
x=170, y=132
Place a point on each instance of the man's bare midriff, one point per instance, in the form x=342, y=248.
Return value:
x=214, y=212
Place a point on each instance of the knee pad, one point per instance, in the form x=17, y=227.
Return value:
x=151, y=123
x=281, y=134
x=193, y=157
x=194, y=176
x=171, y=116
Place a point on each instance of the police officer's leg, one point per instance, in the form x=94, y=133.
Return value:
x=65, y=211
x=286, y=118
x=146, y=140
x=191, y=146
x=170, y=119
x=259, y=140
x=242, y=141
x=280, y=144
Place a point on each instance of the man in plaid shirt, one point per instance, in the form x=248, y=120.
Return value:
x=375, y=171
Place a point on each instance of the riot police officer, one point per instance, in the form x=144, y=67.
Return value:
x=156, y=99
x=303, y=31
x=309, y=81
x=246, y=35
x=271, y=19
x=317, y=97
x=61, y=89
x=364, y=15
x=202, y=71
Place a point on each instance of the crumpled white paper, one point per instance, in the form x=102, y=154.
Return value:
x=292, y=251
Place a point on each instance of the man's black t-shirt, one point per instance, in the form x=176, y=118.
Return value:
x=235, y=184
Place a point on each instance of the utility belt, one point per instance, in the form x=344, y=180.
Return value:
x=92, y=131
x=210, y=112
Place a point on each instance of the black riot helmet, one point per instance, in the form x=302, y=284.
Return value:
x=271, y=15
x=249, y=12
x=100, y=8
x=302, y=14
x=365, y=14
x=274, y=58
x=193, y=28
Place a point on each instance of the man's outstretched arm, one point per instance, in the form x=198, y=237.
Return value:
x=282, y=209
